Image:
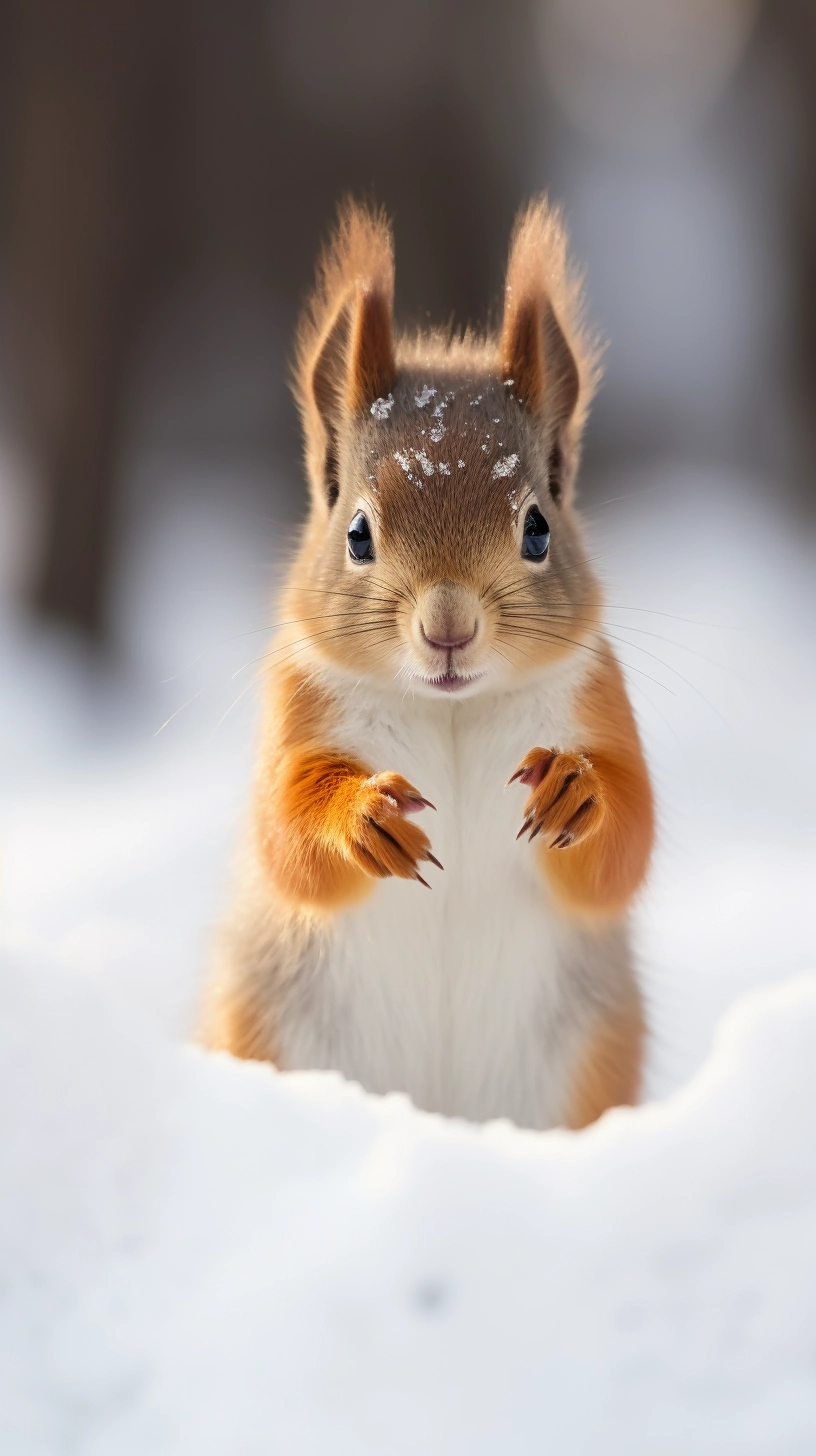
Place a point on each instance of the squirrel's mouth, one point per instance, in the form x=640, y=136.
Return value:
x=453, y=682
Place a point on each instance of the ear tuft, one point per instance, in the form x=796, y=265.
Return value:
x=545, y=348
x=345, y=349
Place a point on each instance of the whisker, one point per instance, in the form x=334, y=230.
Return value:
x=519, y=588
x=274, y=627
x=654, y=612
x=586, y=511
x=641, y=631
x=178, y=710
x=636, y=647
x=638, y=687
x=235, y=703
x=584, y=646
x=358, y=597
x=357, y=623
x=307, y=642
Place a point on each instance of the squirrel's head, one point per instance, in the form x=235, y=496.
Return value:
x=442, y=548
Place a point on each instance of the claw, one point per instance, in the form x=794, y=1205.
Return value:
x=536, y=831
x=415, y=803
x=568, y=781
x=418, y=876
x=525, y=826
x=568, y=834
x=532, y=773
x=433, y=859
x=375, y=868
x=384, y=833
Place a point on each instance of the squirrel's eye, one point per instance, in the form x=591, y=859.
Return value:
x=536, y=540
x=359, y=539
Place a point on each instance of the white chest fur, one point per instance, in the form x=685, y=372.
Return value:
x=471, y=997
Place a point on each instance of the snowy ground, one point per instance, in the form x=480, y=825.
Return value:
x=197, y=1255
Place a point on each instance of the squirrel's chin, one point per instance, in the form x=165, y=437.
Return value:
x=451, y=682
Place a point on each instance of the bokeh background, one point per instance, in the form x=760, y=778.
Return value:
x=167, y=174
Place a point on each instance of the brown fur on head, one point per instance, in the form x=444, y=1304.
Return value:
x=445, y=445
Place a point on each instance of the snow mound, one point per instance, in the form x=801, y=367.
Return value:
x=204, y=1256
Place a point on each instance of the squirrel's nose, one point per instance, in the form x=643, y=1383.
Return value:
x=447, y=643
x=447, y=616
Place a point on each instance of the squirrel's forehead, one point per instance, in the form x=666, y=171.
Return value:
x=434, y=469
x=497, y=471
x=435, y=436
x=428, y=402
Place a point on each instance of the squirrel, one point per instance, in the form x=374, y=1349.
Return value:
x=441, y=644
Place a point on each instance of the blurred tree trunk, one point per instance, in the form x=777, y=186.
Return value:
x=92, y=140
x=794, y=24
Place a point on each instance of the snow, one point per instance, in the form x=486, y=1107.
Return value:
x=405, y=465
x=422, y=460
x=233, y=1260
x=202, y=1255
x=381, y=408
x=507, y=466
x=424, y=397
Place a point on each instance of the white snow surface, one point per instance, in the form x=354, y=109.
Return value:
x=200, y=1255
x=203, y=1256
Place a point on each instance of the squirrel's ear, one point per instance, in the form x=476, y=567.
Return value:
x=345, y=357
x=354, y=364
x=537, y=357
x=545, y=350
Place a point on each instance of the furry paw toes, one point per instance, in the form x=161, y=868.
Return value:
x=566, y=802
x=384, y=842
x=397, y=789
x=534, y=767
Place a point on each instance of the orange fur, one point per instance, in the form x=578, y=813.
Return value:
x=241, y=1022
x=598, y=802
x=327, y=826
x=608, y=1073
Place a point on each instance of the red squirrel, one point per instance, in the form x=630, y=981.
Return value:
x=441, y=643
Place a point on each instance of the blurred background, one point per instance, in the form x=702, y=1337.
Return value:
x=168, y=172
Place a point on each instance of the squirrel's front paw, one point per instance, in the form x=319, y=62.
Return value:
x=566, y=799
x=382, y=840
